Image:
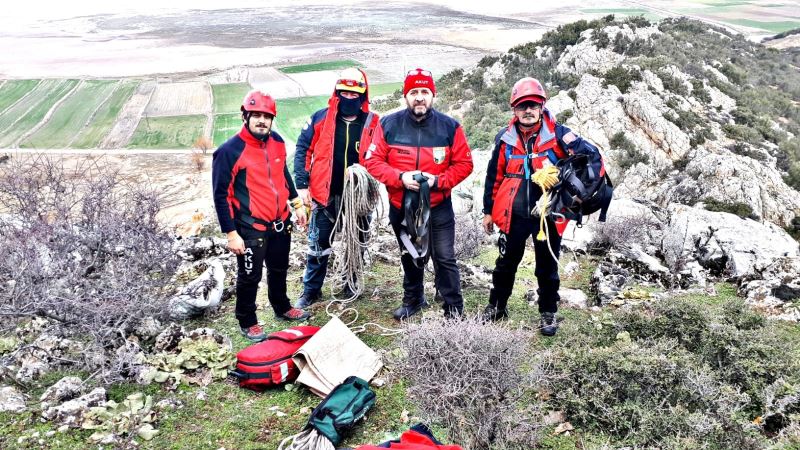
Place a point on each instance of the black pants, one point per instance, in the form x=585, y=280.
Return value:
x=262, y=248
x=447, y=278
x=512, y=248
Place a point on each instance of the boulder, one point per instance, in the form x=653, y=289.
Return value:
x=71, y=413
x=64, y=389
x=11, y=400
x=774, y=285
x=724, y=243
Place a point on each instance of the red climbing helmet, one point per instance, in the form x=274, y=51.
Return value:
x=527, y=89
x=256, y=100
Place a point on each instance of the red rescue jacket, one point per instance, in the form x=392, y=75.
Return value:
x=436, y=145
x=506, y=170
x=250, y=180
x=412, y=440
x=313, y=158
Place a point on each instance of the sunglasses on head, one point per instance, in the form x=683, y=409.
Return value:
x=424, y=73
x=351, y=83
x=524, y=106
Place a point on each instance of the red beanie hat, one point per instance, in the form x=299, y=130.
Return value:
x=419, y=78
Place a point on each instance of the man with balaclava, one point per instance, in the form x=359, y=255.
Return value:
x=330, y=142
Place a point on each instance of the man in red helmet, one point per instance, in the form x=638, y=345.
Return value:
x=252, y=187
x=526, y=151
x=420, y=149
x=332, y=140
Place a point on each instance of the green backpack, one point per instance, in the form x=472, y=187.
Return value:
x=342, y=408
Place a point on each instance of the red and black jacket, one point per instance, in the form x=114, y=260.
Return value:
x=436, y=145
x=507, y=172
x=250, y=181
x=313, y=157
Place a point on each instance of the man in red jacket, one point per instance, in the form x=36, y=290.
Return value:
x=525, y=151
x=332, y=140
x=251, y=187
x=414, y=146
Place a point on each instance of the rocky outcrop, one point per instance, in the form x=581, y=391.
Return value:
x=11, y=400
x=585, y=56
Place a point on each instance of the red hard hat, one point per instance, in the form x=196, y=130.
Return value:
x=527, y=87
x=256, y=100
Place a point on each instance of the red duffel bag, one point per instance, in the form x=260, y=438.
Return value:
x=269, y=363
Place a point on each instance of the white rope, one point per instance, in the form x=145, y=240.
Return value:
x=309, y=439
x=360, y=197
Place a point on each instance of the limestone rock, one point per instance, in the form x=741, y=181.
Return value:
x=723, y=243
x=11, y=400
x=71, y=413
x=64, y=389
x=776, y=284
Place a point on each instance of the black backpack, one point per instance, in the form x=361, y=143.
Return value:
x=583, y=188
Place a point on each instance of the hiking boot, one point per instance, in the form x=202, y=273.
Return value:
x=254, y=333
x=409, y=309
x=453, y=314
x=307, y=299
x=492, y=314
x=293, y=314
x=548, y=324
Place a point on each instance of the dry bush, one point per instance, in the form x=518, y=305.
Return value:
x=198, y=160
x=469, y=237
x=623, y=231
x=203, y=144
x=83, y=248
x=470, y=378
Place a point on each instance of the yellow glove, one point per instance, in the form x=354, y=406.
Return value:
x=546, y=178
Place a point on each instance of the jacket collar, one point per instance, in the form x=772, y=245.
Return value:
x=249, y=139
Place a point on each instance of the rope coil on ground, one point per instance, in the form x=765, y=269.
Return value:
x=308, y=439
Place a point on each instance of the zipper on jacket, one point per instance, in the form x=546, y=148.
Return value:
x=346, y=149
x=271, y=183
x=419, y=142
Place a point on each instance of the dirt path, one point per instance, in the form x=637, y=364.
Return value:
x=128, y=119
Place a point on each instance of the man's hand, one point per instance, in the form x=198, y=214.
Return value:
x=409, y=182
x=431, y=179
x=304, y=196
x=488, y=225
x=235, y=243
x=300, y=215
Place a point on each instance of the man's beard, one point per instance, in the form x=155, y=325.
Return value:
x=419, y=114
x=260, y=132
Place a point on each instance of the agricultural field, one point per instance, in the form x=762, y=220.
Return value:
x=168, y=132
x=23, y=116
x=225, y=126
x=277, y=83
x=13, y=90
x=128, y=119
x=178, y=99
x=327, y=65
x=293, y=113
x=376, y=90
x=104, y=117
x=228, y=97
x=72, y=115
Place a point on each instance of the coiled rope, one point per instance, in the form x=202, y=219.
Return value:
x=351, y=235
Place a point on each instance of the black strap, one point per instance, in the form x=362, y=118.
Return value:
x=416, y=225
x=514, y=175
x=277, y=225
x=249, y=376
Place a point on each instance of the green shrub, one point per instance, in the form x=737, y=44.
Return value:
x=700, y=92
x=672, y=84
x=564, y=115
x=621, y=77
x=742, y=210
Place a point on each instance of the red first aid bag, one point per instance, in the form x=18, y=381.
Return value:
x=269, y=363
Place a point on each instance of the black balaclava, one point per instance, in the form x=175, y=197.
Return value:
x=349, y=106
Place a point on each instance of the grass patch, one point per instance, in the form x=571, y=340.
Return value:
x=376, y=90
x=14, y=90
x=293, y=113
x=228, y=97
x=316, y=67
x=225, y=126
x=70, y=117
x=23, y=116
x=167, y=132
x=103, y=120
x=772, y=27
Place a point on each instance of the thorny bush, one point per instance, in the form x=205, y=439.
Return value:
x=82, y=248
x=471, y=378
